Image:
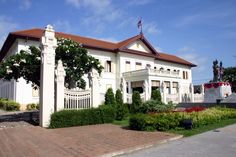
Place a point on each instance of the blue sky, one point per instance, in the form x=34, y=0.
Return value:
x=197, y=30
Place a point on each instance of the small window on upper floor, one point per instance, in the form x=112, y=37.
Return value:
x=168, y=69
x=108, y=66
x=138, y=66
x=185, y=75
x=155, y=67
x=127, y=66
x=161, y=69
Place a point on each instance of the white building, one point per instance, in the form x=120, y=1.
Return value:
x=134, y=60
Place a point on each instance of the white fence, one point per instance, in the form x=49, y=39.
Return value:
x=198, y=97
x=172, y=97
x=75, y=99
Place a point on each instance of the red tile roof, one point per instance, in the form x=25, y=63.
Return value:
x=36, y=34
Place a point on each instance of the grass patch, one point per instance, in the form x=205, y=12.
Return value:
x=123, y=123
x=202, y=129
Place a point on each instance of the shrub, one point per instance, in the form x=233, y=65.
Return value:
x=155, y=106
x=9, y=105
x=136, y=102
x=109, y=97
x=107, y=113
x=121, y=109
x=156, y=95
x=68, y=118
x=32, y=106
x=167, y=121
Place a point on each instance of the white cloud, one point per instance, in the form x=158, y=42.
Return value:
x=6, y=26
x=99, y=12
x=63, y=26
x=139, y=2
x=24, y=4
x=150, y=28
x=192, y=56
x=202, y=17
x=109, y=39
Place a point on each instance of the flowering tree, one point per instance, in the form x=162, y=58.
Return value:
x=26, y=64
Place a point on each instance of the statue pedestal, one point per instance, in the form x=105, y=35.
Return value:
x=216, y=91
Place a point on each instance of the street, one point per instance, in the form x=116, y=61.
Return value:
x=216, y=143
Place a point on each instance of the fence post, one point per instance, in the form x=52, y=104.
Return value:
x=94, y=85
x=60, y=80
x=164, y=92
x=48, y=46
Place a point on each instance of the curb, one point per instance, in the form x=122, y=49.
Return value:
x=126, y=151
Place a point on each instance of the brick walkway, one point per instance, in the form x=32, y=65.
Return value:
x=85, y=141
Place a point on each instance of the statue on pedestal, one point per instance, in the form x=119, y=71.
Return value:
x=215, y=71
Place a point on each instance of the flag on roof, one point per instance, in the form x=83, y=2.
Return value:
x=139, y=23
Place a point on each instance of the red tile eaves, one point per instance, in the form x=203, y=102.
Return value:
x=36, y=34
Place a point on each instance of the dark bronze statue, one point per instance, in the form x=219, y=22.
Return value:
x=217, y=71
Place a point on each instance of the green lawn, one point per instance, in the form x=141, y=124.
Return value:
x=186, y=133
x=123, y=123
x=202, y=129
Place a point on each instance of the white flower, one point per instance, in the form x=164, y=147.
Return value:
x=38, y=58
x=16, y=64
x=9, y=71
x=7, y=67
x=80, y=45
x=92, y=61
x=23, y=61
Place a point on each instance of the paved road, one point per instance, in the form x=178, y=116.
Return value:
x=217, y=143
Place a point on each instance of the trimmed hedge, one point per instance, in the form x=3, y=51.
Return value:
x=167, y=121
x=69, y=118
x=32, y=106
x=9, y=105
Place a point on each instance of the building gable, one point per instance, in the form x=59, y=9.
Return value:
x=138, y=46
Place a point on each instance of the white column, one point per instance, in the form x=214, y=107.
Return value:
x=48, y=46
x=123, y=89
x=146, y=89
x=164, y=92
x=202, y=89
x=179, y=92
x=150, y=88
x=129, y=88
x=192, y=92
x=94, y=84
x=60, y=80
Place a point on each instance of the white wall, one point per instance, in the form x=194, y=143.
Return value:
x=24, y=92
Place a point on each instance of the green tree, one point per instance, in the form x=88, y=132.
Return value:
x=109, y=97
x=121, y=109
x=26, y=64
x=230, y=76
x=136, y=102
x=156, y=95
x=119, y=98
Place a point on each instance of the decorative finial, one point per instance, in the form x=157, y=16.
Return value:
x=139, y=24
